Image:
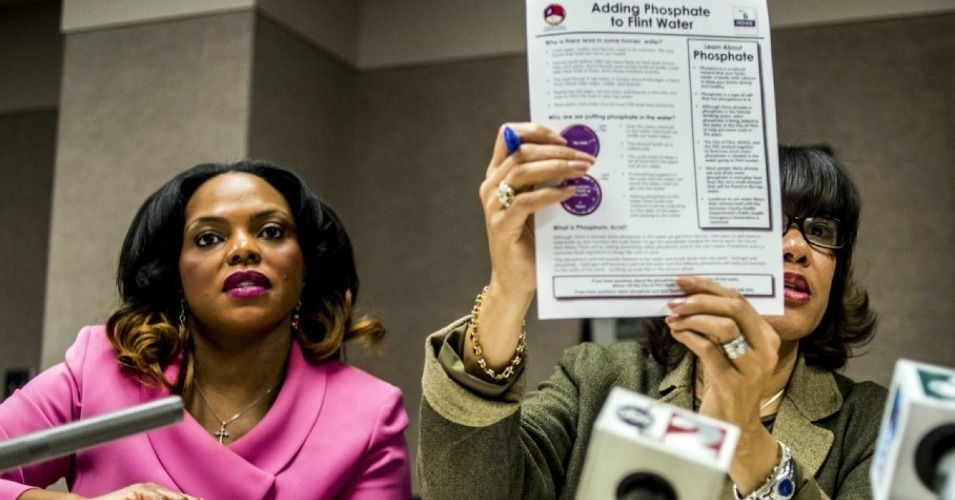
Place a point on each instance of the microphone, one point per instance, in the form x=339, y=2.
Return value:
x=642, y=449
x=89, y=432
x=915, y=453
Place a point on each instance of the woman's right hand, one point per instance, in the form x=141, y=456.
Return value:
x=146, y=491
x=140, y=491
x=542, y=159
x=534, y=171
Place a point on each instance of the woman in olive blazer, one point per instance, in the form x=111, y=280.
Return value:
x=803, y=426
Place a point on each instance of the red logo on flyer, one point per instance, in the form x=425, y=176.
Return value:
x=554, y=14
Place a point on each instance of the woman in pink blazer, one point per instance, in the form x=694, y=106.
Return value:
x=237, y=287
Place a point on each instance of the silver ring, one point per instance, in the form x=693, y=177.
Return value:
x=505, y=194
x=736, y=347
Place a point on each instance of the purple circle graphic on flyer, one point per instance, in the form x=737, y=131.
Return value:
x=582, y=138
x=587, y=197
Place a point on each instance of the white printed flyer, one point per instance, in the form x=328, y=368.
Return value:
x=676, y=102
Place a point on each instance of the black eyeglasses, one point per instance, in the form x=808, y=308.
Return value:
x=824, y=232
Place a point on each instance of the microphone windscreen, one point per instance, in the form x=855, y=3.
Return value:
x=917, y=430
x=640, y=446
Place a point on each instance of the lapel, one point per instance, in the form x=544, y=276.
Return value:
x=676, y=388
x=247, y=468
x=812, y=395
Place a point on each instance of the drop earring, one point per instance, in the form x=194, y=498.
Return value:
x=182, y=312
x=296, y=319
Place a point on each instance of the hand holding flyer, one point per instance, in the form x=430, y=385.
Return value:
x=676, y=103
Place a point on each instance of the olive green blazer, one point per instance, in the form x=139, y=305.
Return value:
x=481, y=440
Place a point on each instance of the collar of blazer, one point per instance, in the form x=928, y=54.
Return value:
x=812, y=394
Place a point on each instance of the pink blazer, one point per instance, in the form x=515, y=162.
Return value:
x=333, y=432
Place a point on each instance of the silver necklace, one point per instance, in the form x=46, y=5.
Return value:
x=222, y=433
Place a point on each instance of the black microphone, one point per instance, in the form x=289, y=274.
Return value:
x=935, y=460
x=89, y=432
x=642, y=449
x=645, y=486
x=915, y=454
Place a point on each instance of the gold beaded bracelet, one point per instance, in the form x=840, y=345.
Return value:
x=479, y=353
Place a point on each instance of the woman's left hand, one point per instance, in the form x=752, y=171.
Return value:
x=706, y=319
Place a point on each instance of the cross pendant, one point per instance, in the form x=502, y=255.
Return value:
x=221, y=434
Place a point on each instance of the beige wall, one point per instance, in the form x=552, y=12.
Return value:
x=30, y=57
x=447, y=30
x=400, y=150
x=304, y=113
x=31, y=51
x=332, y=24
x=27, y=143
x=138, y=104
x=882, y=93
x=364, y=33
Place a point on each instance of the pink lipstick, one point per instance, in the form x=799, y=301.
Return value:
x=796, y=287
x=246, y=284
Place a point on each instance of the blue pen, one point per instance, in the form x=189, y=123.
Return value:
x=512, y=140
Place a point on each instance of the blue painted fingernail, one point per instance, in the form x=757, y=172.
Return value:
x=512, y=140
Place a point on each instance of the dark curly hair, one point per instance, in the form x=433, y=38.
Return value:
x=145, y=330
x=813, y=183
